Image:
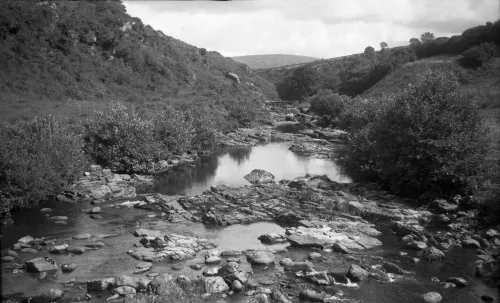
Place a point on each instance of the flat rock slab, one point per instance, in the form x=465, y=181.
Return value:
x=341, y=233
x=41, y=264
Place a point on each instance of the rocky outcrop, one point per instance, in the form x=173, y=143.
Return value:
x=169, y=247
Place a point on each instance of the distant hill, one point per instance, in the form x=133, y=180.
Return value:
x=71, y=57
x=272, y=60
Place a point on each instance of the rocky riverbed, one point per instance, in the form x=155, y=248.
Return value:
x=309, y=238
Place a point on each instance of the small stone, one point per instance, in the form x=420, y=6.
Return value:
x=447, y=285
x=113, y=297
x=77, y=250
x=68, y=267
x=417, y=245
x=433, y=254
x=94, y=210
x=177, y=267
x=261, y=257
x=213, y=260
x=196, y=266
x=8, y=258
x=95, y=245
x=45, y=210
x=210, y=272
x=431, y=297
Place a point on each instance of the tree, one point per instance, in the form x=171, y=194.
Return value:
x=414, y=42
x=369, y=52
x=383, y=45
x=427, y=36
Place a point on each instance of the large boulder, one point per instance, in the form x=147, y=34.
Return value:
x=41, y=264
x=259, y=176
x=260, y=257
x=215, y=285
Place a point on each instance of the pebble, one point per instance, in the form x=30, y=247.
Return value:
x=431, y=297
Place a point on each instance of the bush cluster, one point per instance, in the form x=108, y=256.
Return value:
x=429, y=138
x=123, y=140
x=478, y=55
x=37, y=159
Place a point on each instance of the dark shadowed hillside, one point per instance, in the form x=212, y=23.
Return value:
x=70, y=57
x=272, y=60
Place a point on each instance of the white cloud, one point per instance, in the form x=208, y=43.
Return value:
x=319, y=28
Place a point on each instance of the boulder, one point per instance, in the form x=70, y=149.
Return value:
x=444, y=206
x=163, y=284
x=100, y=284
x=236, y=286
x=259, y=176
x=357, y=274
x=319, y=277
x=77, y=250
x=471, y=243
x=431, y=297
x=215, y=285
x=213, y=260
x=26, y=240
x=261, y=257
x=41, y=264
x=231, y=253
x=137, y=283
x=433, y=254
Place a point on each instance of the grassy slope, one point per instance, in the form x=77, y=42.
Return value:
x=272, y=60
x=46, y=68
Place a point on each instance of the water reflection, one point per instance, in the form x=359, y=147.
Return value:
x=230, y=167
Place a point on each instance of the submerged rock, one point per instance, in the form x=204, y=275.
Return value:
x=273, y=238
x=311, y=295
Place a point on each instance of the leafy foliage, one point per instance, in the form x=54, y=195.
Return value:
x=38, y=158
x=429, y=139
x=479, y=55
x=426, y=37
x=328, y=103
x=125, y=141
x=299, y=85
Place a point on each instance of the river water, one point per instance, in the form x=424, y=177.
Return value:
x=228, y=168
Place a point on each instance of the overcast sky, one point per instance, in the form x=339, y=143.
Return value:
x=317, y=28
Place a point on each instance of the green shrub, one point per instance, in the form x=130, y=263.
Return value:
x=328, y=103
x=478, y=55
x=123, y=141
x=173, y=130
x=432, y=139
x=358, y=112
x=38, y=158
x=205, y=137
